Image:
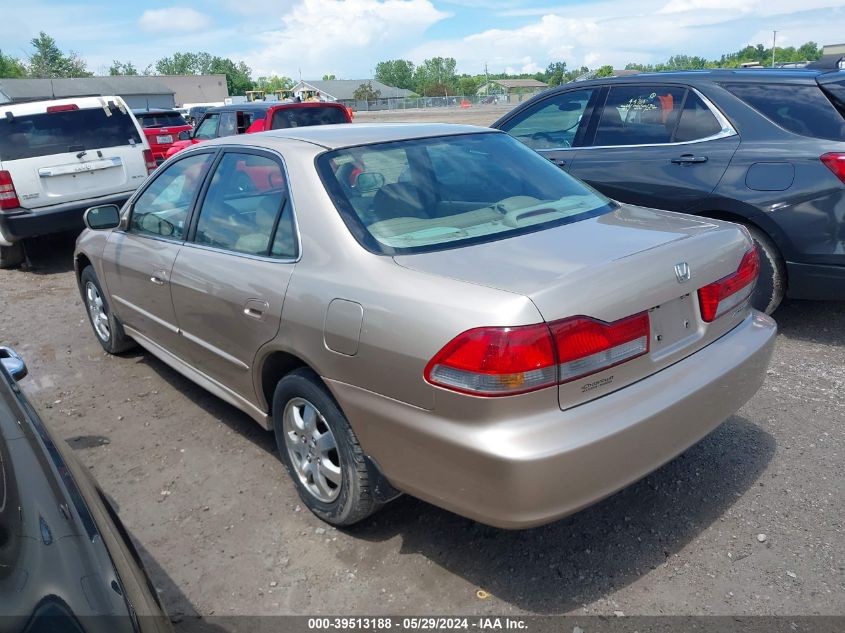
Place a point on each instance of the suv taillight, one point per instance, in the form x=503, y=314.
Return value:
x=8, y=195
x=835, y=162
x=150, y=161
x=497, y=361
x=721, y=296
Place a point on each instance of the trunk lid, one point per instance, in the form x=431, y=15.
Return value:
x=610, y=267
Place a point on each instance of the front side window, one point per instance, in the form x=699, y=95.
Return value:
x=162, y=209
x=639, y=115
x=553, y=123
x=800, y=109
x=228, y=124
x=208, y=127
x=435, y=193
x=247, y=209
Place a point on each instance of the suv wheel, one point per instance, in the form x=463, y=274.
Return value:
x=106, y=326
x=771, y=284
x=320, y=450
x=11, y=256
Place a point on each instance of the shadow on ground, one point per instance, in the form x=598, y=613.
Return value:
x=813, y=321
x=50, y=254
x=582, y=558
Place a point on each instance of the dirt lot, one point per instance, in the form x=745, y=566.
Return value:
x=220, y=526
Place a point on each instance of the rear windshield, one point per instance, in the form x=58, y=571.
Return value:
x=437, y=193
x=35, y=135
x=803, y=110
x=160, y=119
x=307, y=115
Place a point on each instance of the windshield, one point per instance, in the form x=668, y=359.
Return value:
x=160, y=119
x=435, y=193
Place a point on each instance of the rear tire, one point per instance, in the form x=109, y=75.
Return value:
x=320, y=451
x=107, y=328
x=11, y=256
x=771, y=284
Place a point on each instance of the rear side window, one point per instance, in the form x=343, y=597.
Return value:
x=800, y=109
x=33, y=135
x=697, y=121
x=304, y=116
x=639, y=115
x=160, y=119
x=246, y=208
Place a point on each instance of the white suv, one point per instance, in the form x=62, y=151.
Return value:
x=58, y=158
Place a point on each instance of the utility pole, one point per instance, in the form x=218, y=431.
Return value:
x=486, y=81
x=774, y=46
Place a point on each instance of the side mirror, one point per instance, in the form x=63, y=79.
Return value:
x=369, y=181
x=184, y=135
x=13, y=363
x=100, y=218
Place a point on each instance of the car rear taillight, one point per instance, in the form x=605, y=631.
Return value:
x=150, y=161
x=835, y=162
x=496, y=361
x=721, y=296
x=499, y=361
x=586, y=346
x=8, y=195
x=68, y=107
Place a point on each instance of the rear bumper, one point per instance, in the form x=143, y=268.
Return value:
x=529, y=469
x=815, y=281
x=19, y=224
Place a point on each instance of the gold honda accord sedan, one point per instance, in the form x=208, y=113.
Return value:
x=431, y=309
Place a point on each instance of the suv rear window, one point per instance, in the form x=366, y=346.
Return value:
x=160, y=119
x=33, y=135
x=803, y=110
x=308, y=115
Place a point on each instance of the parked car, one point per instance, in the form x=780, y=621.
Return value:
x=58, y=158
x=765, y=148
x=66, y=560
x=162, y=128
x=246, y=118
x=461, y=320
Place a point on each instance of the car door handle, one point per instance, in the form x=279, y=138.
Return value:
x=558, y=161
x=255, y=308
x=159, y=277
x=686, y=159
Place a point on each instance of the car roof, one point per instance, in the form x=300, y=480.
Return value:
x=40, y=107
x=353, y=134
x=751, y=75
x=263, y=106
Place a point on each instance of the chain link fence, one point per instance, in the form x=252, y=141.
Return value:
x=458, y=101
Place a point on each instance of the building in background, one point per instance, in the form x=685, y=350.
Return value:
x=514, y=90
x=138, y=91
x=343, y=90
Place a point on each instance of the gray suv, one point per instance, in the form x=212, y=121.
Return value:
x=765, y=148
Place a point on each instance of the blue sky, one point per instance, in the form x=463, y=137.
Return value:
x=348, y=37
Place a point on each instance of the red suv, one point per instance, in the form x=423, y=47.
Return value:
x=246, y=118
x=162, y=128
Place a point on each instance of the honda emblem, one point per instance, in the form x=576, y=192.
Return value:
x=682, y=272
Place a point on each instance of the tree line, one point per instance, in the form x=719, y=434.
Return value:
x=437, y=76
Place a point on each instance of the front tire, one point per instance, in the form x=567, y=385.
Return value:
x=107, y=328
x=771, y=284
x=320, y=451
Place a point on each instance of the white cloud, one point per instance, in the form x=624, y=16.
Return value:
x=616, y=32
x=319, y=36
x=173, y=19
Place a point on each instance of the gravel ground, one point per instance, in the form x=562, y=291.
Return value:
x=201, y=489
